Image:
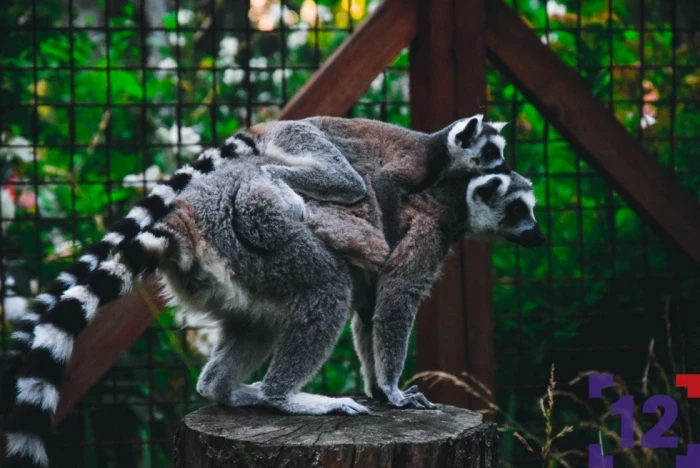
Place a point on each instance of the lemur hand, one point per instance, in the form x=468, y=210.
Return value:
x=409, y=398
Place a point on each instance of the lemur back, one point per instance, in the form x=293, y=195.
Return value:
x=311, y=157
x=223, y=229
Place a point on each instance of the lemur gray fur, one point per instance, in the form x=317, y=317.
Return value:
x=311, y=157
x=219, y=242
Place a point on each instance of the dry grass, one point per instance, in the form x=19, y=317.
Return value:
x=476, y=388
x=596, y=415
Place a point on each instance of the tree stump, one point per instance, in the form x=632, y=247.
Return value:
x=215, y=436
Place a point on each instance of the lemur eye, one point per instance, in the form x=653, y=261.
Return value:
x=491, y=152
x=518, y=211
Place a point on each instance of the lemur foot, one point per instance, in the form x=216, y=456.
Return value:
x=411, y=398
x=307, y=403
x=244, y=395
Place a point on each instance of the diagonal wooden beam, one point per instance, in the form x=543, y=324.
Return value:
x=565, y=100
x=337, y=85
x=348, y=73
x=115, y=328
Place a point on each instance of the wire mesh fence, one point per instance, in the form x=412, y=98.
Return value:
x=98, y=100
x=606, y=284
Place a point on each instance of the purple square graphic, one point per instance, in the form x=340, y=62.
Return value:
x=596, y=459
x=596, y=384
x=691, y=460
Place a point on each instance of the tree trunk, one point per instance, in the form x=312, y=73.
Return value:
x=215, y=437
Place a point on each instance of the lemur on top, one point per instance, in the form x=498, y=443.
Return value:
x=315, y=158
x=232, y=243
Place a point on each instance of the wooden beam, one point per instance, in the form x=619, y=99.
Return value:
x=115, y=328
x=448, y=81
x=348, y=73
x=564, y=99
x=342, y=80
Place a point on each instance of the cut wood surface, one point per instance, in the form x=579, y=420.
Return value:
x=217, y=437
x=564, y=99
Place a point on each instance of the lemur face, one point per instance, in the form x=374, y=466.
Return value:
x=476, y=146
x=502, y=205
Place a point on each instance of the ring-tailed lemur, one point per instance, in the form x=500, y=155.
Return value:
x=317, y=170
x=262, y=209
x=250, y=282
x=497, y=205
x=310, y=156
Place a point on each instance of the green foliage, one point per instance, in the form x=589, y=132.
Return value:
x=605, y=282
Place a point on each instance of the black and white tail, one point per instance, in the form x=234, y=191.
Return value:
x=38, y=381
x=43, y=340
x=145, y=214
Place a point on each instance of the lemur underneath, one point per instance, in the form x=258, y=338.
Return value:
x=311, y=156
x=219, y=243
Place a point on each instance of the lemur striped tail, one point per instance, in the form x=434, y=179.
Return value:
x=73, y=299
x=29, y=423
x=146, y=213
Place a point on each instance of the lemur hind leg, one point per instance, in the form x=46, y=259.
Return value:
x=310, y=285
x=312, y=165
x=240, y=350
x=350, y=232
x=303, y=347
x=265, y=211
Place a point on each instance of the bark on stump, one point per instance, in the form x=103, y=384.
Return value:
x=214, y=437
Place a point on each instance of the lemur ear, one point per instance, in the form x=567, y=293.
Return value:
x=488, y=189
x=469, y=132
x=498, y=125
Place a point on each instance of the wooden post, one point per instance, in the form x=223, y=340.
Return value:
x=448, y=82
x=216, y=437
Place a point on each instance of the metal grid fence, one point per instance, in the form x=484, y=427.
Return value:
x=606, y=283
x=98, y=101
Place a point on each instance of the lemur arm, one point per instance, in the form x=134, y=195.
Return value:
x=404, y=281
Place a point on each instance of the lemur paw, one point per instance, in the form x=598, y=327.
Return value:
x=410, y=398
x=246, y=395
x=349, y=406
x=306, y=403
